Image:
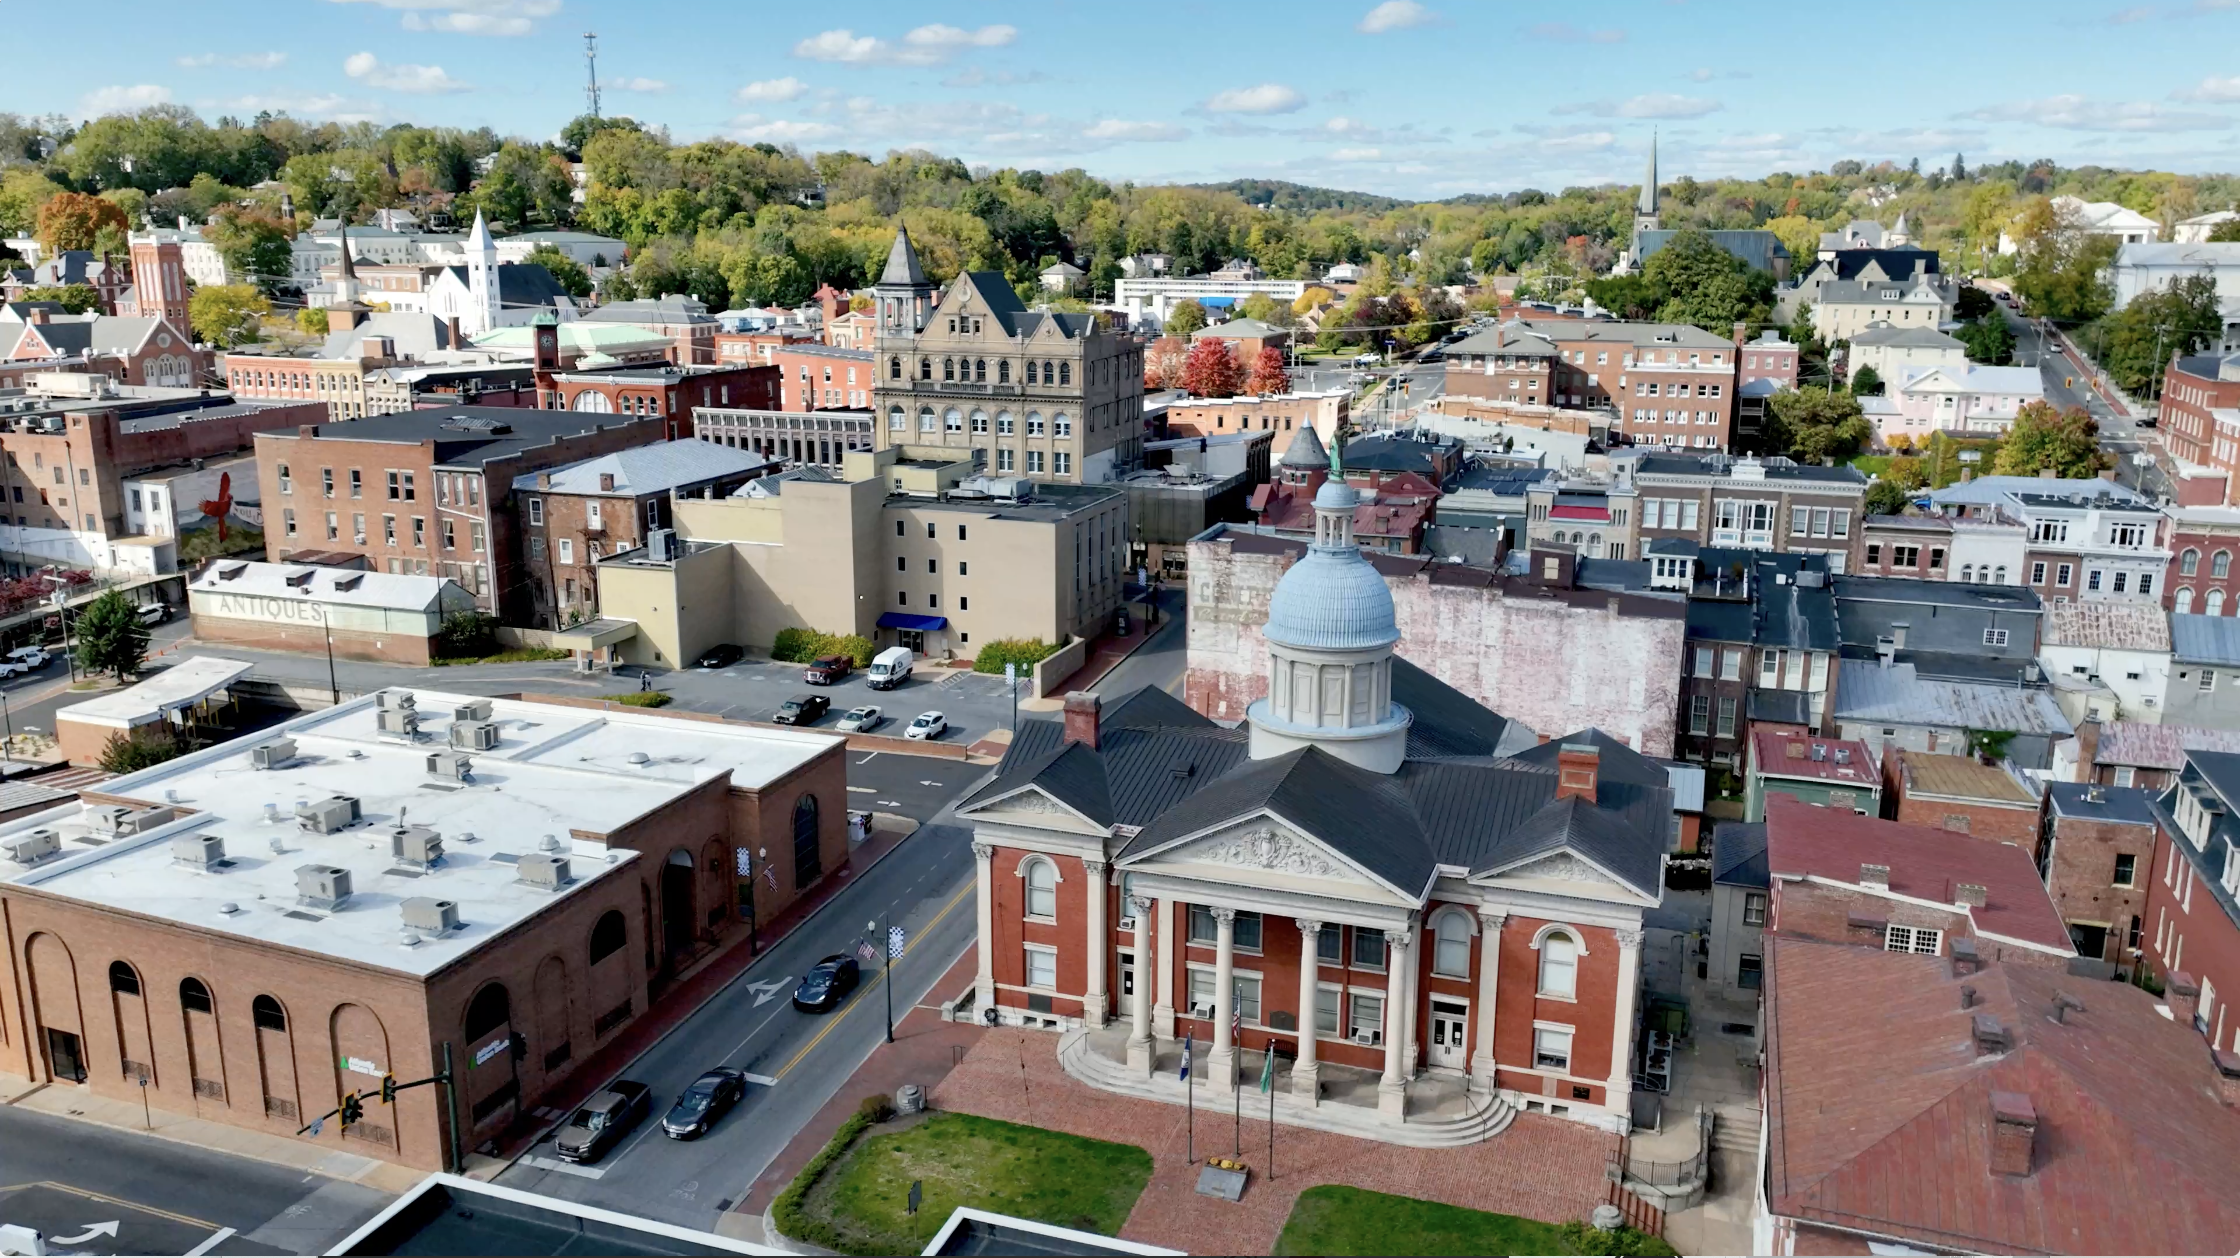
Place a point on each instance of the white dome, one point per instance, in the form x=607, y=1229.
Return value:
x=1332, y=602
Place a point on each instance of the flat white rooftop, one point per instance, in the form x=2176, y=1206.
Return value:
x=182, y=685
x=555, y=769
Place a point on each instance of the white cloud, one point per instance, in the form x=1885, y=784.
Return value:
x=242, y=61
x=123, y=100
x=1357, y=155
x=755, y=127
x=1651, y=105
x=2211, y=89
x=925, y=46
x=302, y=105
x=1395, y=15
x=2081, y=113
x=423, y=80
x=469, y=17
x=634, y=85
x=1115, y=129
x=1267, y=98
x=1566, y=33
x=772, y=89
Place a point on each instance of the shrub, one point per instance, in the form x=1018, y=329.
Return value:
x=876, y=1107
x=1025, y=652
x=467, y=635
x=1585, y=1238
x=793, y=645
x=799, y=646
x=139, y=749
x=791, y=1219
x=641, y=698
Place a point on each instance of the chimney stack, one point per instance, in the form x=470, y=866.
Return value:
x=606, y=482
x=1084, y=709
x=1974, y=895
x=2184, y=996
x=1990, y=1037
x=452, y=326
x=39, y=314
x=2014, y=1128
x=1876, y=876
x=2088, y=750
x=2228, y=1076
x=1577, y=767
x=1966, y=959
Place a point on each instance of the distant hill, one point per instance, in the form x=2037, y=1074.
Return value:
x=1299, y=198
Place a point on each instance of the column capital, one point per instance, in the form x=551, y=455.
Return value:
x=983, y=851
x=1629, y=938
x=1096, y=868
x=1399, y=939
x=1309, y=929
x=1223, y=915
x=1141, y=904
x=1493, y=919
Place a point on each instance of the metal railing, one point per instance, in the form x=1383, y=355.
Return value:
x=1674, y=1174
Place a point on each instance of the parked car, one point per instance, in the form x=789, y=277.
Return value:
x=890, y=668
x=699, y=1106
x=602, y=1121
x=828, y=984
x=722, y=655
x=14, y=668
x=802, y=709
x=828, y=670
x=862, y=720
x=153, y=613
x=33, y=657
x=928, y=725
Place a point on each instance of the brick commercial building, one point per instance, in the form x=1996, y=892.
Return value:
x=338, y=373
x=1449, y=958
x=2194, y=389
x=1761, y=646
x=2091, y=540
x=1284, y=415
x=675, y=394
x=1772, y=504
x=2203, y=578
x=1670, y=384
x=2192, y=913
x=251, y=965
x=1836, y=774
x=1541, y=653
x=571, y=515
x=823, y=438
x=144, y=350
x=429, y=492
x=288, y=607
x=1958, y=793
x=814, y=377
x=2098, y=853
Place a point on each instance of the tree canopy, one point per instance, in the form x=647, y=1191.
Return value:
x=1811, y=424
x=2043, y=437
x=111, y=638
x=2137, y=342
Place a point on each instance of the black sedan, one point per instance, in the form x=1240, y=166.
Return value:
x=721, y=656
x=828, y=984
x=699, y=1106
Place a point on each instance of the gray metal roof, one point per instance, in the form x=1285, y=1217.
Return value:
x=1738, y=854
x=653, y=469
x=2205, y=639
x=1870, y=693
x=2130, y=804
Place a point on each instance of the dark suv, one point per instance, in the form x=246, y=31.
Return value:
x=604, y=1119
x=802, y=709
x=826, y=670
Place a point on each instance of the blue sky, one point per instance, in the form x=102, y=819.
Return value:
x=1421, y=98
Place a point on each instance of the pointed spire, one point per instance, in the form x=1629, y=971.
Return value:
x=478, y=238
x=902, y=263
x=1648, y=201
x=349, y=266
x=1306, y=450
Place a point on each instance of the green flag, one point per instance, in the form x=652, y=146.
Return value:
x=1268, y=1069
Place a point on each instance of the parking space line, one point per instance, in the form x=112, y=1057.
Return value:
x=209, y=1242
x=544, y=1163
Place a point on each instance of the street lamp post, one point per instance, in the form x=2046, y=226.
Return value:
x=334, y=690
x=886, y=951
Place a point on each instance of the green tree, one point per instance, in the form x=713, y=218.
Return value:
x=1187, y=318
x=227, y=314
x=2059, y=274
x=1884, y=498
x=111, y=638
x=2042, y=437
x=525, y=185
x=2228, y=230
x=566, y=270
x=75, y=298
x=1974, y=303
x=1867, y=382
x=73, y=220
x=312, y=321
x=22, y=192
x=2137, y=342
x=143, y=747
x=253, y=245
x=1811, y=424
x=1989, y=340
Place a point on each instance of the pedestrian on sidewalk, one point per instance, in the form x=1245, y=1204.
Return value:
x=645, y=681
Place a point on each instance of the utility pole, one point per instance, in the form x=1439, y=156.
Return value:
x=591, y=69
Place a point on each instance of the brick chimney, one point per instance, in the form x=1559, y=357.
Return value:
x=2088, y=750
x=2184, y=996
x=451, y=325
x=1875, y=876
x=1966, y=959
x=2014, y=1128
x=1084, y=709
x=1990, y=1037
x=2228, y=1076
x=39, y=314
x=1974, y=895
x=1741, y=332
x=606, y=482
x=1577, y=767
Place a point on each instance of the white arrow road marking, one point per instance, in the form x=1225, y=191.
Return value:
x=766, y=992
x=864, y=790
x=92, y=1230
x=891, y=803
x=543, y=1163
x=764, y=1080
x=923, y=782
x=210, y=1242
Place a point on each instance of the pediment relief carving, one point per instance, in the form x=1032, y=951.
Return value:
x=1266, y=846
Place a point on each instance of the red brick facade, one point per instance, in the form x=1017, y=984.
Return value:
x=2094, y=887
x=71, y=479
x=672, y=395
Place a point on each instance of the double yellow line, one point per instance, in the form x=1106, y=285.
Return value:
x=104, y=1198
x=924, y=932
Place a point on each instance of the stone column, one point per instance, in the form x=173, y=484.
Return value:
x=1621, y=1035
x=1306, y=1073
x=1100, y=946
x=1142, y=1059
x=984, y=986
x=1482, y=1060
x=1414, y=1056
x=1392, y=1090
x=1221, y=1063
x=1162, y=1016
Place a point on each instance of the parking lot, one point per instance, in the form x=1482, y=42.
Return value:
x=752, y=690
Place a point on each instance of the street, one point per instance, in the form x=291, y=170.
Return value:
x=2066, y=387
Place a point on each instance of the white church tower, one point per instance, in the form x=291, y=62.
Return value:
x=482, y=280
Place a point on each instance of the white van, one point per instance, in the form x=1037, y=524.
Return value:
x=889, y=668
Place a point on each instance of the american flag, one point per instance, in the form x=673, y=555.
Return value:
x=1236, y=1016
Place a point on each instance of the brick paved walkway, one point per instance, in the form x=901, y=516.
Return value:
x=1542, y=1168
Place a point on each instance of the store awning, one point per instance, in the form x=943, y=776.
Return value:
x=904, y=620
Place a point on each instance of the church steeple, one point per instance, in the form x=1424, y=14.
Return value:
x=1645, y=206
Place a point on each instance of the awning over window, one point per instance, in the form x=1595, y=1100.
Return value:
x=904, y=620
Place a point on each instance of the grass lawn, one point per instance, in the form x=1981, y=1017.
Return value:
x=1336, y=1220
x=964, y=1160
x=1872, y=464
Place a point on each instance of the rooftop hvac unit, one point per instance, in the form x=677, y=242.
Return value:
x=661, y=545
x=272, y=755
x=474, y=735
x=322, y=886
x=401, y=722
x=329, y=815
x=30, y=849
x=543, y=869
x=450, y=765
x=109, y=819
x=473, y=710
x=417, y=846
x=399, y=699
x=430, y=916
x=198, y=851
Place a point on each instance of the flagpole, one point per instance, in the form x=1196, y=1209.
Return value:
x=1236, y=1081
x=1268, y=1077
x=1190, y=1100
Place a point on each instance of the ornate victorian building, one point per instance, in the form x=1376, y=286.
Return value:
x=1427, y=915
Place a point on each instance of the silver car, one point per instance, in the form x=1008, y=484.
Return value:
x=861, y=720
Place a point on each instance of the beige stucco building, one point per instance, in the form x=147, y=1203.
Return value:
x=907, y=548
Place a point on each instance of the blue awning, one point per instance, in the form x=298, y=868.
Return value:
x=904, y=620
x=1217, y=301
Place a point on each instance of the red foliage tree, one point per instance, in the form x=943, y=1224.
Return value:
x=1162, y=363
x=1268, y=373
x=73, y=220
x=1212, y=371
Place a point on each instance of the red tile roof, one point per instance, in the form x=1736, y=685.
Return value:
x=1925, y=863
x=1879, y=1109
x=1579, y=513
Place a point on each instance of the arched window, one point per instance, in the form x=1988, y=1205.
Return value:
x=1042, y=887
x=1999, y=575
x=2189, y=562
x=592, y=400
x=2214, y=604
x=894, y=367
x=808, y=859
x=123, y=979
x=925, y=369
x=1451, y=956
x=488, y=1011
x=1559, y=965
x=193, y=996
x=952, y=420
x=979, y=421
x=1968, y=573
x=1003, y=371
x=948, y=369
x=2220, y=564
x=608, y=934
x=267, y=1014
x=1048, y=374
x=2182, y=603
x=980, y=370
x=896, y=422
x=1065, y=373
x=925, y=419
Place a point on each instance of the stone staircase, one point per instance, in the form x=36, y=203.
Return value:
x=1487, y=1118
x=1735, y=1128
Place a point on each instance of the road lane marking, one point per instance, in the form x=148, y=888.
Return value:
x=91, y=1195
x=544, y=1163
x=210, y=1242
x=923, y=932
x=764, y=1080
x=863, y=790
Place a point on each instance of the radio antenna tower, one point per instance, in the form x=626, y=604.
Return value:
x=591, y=67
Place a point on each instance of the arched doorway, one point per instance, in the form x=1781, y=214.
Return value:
x=808, y=857
x=676, y=906
x=55, y=1012
x=493, y=1084
x=276, y=1058
x=361, y=1056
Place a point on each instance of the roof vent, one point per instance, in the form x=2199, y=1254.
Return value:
x=299, y=580
x=2063, y=1003
x=1843, y=755
x=543, y=870
x=408, y=939
x=638, y=757
x=2095, y=795
x=417, y=846
x=199, y=851
x=30, y=849
x=549, y=843
x=322, y=886
x=1183, y=770
x=272, y=755
x=1819, y=752
x=228, y=909
x=1967, y=997
x=427, y=915
x=349, y=581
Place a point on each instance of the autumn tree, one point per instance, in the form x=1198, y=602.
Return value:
x=1187, y=318
x=227, y=314
x=1211, y=370
x=2042, y=437
x=1163, y=362
x=73, y=220
x=1268, y=373
x=254, y=246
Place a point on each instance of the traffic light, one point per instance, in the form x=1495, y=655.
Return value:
x=388, y=1089
x=352, y=1109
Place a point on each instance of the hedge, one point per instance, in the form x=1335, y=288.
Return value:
x=796, y=1223
x=641, y=698
x=1025, y=652
x=799, y=646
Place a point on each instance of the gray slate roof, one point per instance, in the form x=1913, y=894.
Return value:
x=1870, y=694
x=1738, y=854
x=653, y=469
x=2205, y=639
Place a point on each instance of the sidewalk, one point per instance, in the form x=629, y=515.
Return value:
x=1106, y=650
x=925, y=1049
